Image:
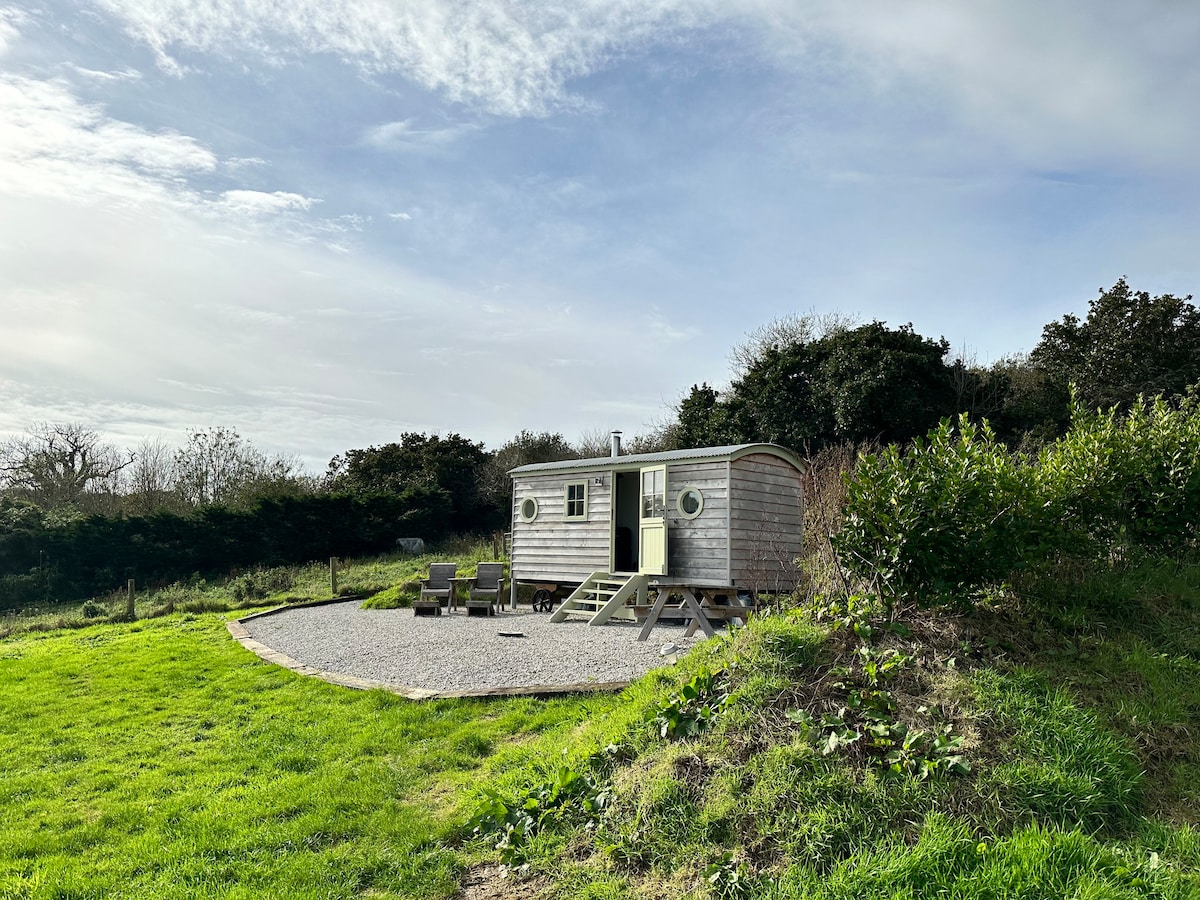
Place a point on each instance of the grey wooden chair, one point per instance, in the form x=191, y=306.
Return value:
x=486, y=589
x=434, y=589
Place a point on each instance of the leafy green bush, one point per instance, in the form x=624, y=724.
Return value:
x=260, y=584
x=20, y=590
x=1134, y=478
x=44, y=556
x=956, y=511
x=959, y=511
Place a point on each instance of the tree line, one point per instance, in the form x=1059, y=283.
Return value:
x=810, y=381
x=79, y=515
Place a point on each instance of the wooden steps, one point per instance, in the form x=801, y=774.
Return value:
x=603, y=596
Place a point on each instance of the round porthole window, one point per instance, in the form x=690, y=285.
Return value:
x=528, y=509
x=690, y=502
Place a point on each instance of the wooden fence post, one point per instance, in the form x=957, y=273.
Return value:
x=129, y=590
x=333, y=573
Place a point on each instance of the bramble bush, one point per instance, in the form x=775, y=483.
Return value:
x=959, y=511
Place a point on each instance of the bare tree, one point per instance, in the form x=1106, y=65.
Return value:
x=824, y=512
x=660, y=437
x=596, y=442
x=593, y=442
x=786, y=331
x=772, y=565
x=216, y=465
x=277, y=476
x=61, y=464
x=149, y=481
x=522, y=449
x=979, y=391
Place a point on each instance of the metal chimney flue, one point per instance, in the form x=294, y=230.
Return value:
x=616, y=443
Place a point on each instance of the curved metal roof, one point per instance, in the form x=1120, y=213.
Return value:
x=636, y=460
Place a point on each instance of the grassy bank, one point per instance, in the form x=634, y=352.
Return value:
x=1067, y=765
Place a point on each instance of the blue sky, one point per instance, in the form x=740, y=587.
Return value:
x=326, y=223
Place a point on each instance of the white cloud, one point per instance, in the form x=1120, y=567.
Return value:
x=145, y=324
x=405, y=136
x=243, y=162
x=245, y=315
x=55, y=145
x=658, y=327
x=126, y=74
x=195, y=388
x=141, y=293
x=348, y=222
x=1056, y=83
x=255, y=204
x=509, y=58
x=10, y=21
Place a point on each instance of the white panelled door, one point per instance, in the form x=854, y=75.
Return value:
x=652, y=536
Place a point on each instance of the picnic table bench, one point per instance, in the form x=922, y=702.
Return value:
x=701, y=612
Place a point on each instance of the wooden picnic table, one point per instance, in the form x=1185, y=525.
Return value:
x=701, y=612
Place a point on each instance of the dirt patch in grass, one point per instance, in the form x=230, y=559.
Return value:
x=488, y=881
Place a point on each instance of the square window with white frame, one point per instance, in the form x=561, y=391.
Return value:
x=575, y=501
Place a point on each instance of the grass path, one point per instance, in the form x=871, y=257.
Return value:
x=162, y=759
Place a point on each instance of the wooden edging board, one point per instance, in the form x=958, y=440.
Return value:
x=267, y=654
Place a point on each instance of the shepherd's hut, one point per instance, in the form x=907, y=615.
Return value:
x=716, y=519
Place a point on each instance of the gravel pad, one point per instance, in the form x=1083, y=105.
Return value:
x=456, y=652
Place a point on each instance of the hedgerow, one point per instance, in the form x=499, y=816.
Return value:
x=959, y=511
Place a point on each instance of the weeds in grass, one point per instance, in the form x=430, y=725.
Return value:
x=727, y=878
x=693, y=707
x=572, y=795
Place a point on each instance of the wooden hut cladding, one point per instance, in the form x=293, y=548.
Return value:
x=718, y=516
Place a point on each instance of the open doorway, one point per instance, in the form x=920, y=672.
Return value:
x=626, y=495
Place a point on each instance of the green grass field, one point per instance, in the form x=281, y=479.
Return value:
x=161, y=759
